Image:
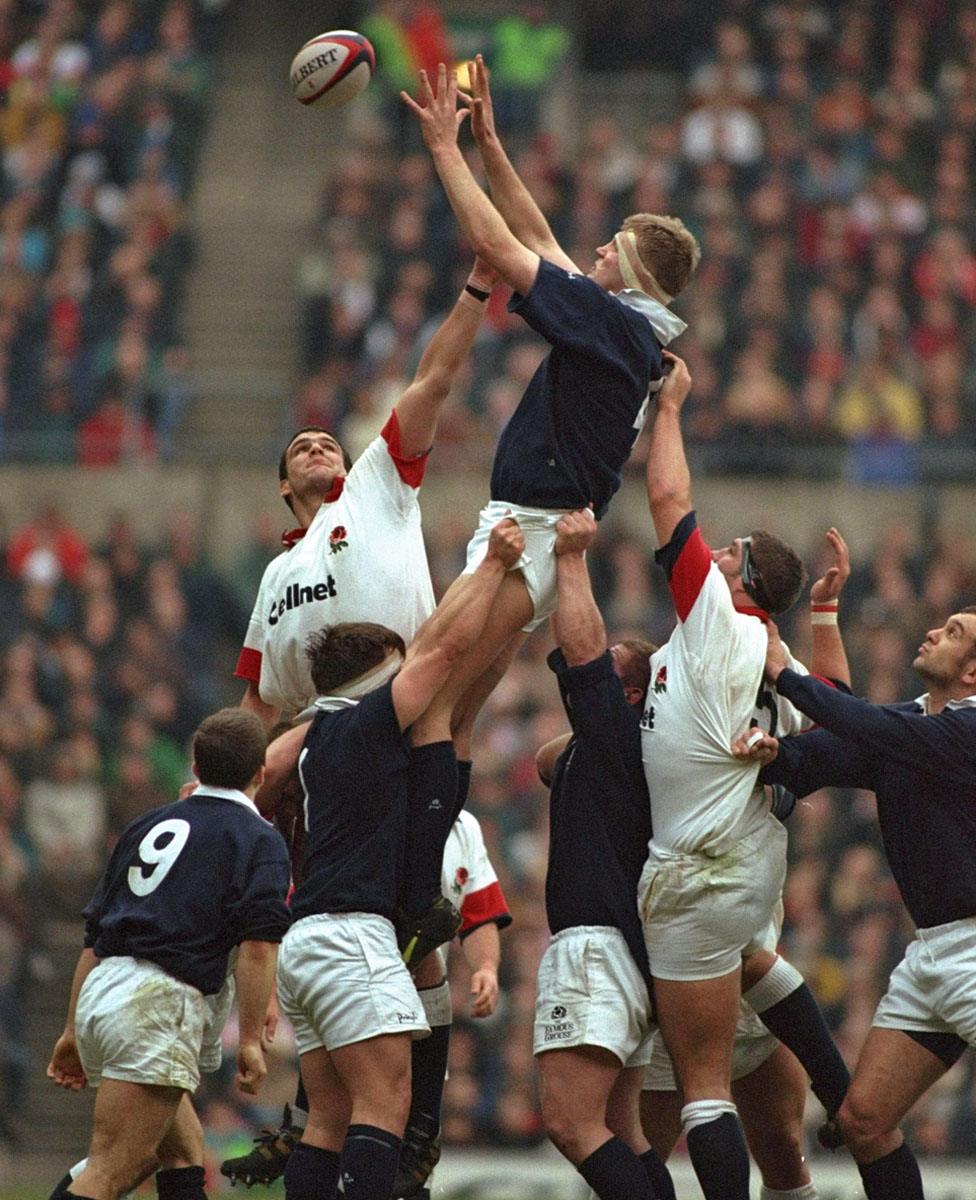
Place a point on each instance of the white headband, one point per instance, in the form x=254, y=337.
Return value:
x=632, y=270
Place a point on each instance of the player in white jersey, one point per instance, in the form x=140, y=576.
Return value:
x=716, y=863
x=357, y=553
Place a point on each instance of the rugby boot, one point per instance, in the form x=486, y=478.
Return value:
x=418, y=1157
x=829, y=1135
x=266, y=1162
x=418, y=936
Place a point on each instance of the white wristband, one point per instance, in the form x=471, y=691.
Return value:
x=823, y=614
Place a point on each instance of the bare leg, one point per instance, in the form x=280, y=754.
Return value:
x=574, y=1088
x=329, y=1104
x=623, y=1112
x=130, y=1122
x=770, y=1101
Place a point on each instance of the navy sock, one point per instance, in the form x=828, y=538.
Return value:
x=463, y=785
x=659, y=1175
x=61, y=1187
x=615, y=1172
x=799, y=1024
x=432, y=794
x=894, y=1177
x=311, y=1173
x=720, y=1158
x=428, y=1064
x=370, y=1158
x=181, y=1183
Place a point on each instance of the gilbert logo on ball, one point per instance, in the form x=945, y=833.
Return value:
x=332, y=68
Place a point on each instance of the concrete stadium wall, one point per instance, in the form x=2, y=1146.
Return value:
x=229, y=501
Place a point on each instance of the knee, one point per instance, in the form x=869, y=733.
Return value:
x=863, y=1127
x=562, y=1129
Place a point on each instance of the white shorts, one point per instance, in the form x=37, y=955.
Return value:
x=341, y=980
x=702, y=913
x=138, y=1023
x=590, y=993
x=218, y=1010
x=538, y=562
x=933, y=988
x=753, y=1045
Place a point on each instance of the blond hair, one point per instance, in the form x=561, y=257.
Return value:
x=667, y=248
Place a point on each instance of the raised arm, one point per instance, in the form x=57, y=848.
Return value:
x=454, y=625
x=829, y=658
x=251, y=700
x=668, y=477
x=577, y=624
x=419, y=408
x=482, y=223
x=512, y=198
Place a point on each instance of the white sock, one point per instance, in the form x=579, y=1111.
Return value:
x=781, y=980
x=807, y=1192
x=700, y=1112
x=437, y=1003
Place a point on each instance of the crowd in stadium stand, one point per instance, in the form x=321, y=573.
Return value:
x=824, y=157
x=101, y=110
x=112, y=652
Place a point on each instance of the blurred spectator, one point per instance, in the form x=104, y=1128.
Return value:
x=47, y=549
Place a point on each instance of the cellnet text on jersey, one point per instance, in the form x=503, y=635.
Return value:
x=297, y=594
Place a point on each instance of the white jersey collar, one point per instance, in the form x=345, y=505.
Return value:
x=333, y=703
x=205, y=789
x=965, y=702
x=662, y=320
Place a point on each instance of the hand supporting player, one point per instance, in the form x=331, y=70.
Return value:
x=506, y=542
x=755, y=746
x=575, y=532
x=775, y=654
x=65, y=1066
x=829, y=586
x=438, y=113
x=677, y=382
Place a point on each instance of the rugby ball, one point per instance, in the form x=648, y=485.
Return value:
x=332, y=68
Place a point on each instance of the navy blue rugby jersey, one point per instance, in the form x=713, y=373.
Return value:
x=353, y=768
x=922, y=768
x=599, y=813
x=567, y=441
x=187, y=883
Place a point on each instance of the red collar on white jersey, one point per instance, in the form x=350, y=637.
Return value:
x=748, y=610
x=291, y=536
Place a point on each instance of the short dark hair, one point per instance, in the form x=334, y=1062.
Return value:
x=637, y=672
x=283, y=460
x=782, y=572
x=228, y=748
x=341, y=652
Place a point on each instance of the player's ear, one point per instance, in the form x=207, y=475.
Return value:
x=634, y=695
x=258, y=777
x=969, y=673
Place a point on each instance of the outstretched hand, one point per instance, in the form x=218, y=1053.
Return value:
x=438, y=112
x=775, y=654
x=830, y=585
x=482, y=111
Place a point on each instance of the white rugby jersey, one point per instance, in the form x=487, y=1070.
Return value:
x=361, y=559
x=468, y=879
x=706, y=689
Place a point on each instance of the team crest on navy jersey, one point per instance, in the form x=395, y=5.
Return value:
x=338, y=539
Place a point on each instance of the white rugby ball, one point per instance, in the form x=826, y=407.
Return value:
x=332, y=68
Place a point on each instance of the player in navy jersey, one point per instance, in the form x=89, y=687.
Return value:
x=341, y=979
x=716, y=862
x=574, y=428
x=593, y=1020
x=159, y=932
x=920, y=760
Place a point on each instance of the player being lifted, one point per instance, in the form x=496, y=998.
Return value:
x=574, y=428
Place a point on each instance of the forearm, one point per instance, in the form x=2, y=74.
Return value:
x=254, y=976
x=668, y=477
x=829, y=658
x=578, y=625
x=513, y=199
x=483, y=226
x=86, y=963
x=482, y=948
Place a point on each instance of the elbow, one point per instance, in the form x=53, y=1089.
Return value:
x=663, y=496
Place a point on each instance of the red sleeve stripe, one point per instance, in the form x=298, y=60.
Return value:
x=824, y=679
x=249, y=665
x=689, y=573
x=410, y=470
x=488, y=904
